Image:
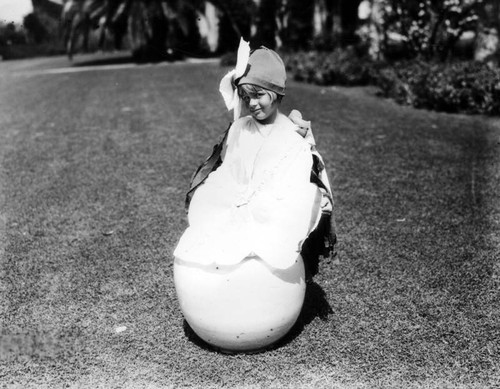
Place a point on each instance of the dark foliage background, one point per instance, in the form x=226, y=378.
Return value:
x=464, y=86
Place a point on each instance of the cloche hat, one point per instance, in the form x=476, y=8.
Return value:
x=266, y=69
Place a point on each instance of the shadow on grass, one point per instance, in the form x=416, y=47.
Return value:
x=315, y=305
x=121, y=60
x=136, y=57
x=124, y=60
x=140, y=57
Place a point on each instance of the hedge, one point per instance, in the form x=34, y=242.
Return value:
x=467, y=87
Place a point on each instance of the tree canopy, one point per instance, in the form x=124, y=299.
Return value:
x=160, y=28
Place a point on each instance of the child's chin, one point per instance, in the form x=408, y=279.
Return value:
x=259, y=116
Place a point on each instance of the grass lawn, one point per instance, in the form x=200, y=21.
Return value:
x=94, y=165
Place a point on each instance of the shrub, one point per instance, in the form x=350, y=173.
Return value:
x=400, y=81
x=340, y=67
x=468, y=87
x=29, y=50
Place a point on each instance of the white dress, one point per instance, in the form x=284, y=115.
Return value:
x=259, y=202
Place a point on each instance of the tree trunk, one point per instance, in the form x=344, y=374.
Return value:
x=330, y=9
x=349, y=21
x=300, y=24
x=267, y=27
x=496, y=14
x=149, y=32
x=272, y=24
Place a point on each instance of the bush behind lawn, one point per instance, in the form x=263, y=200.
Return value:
x=339, y=67
x=465, y=87
x=23, y=51
x=468, y=87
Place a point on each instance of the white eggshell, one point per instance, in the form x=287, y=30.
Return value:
x=244, y=307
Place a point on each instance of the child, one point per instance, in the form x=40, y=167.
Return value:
x=263, y=191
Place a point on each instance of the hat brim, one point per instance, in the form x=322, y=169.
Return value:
x=262, y=83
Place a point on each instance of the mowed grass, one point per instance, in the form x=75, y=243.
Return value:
x=94, y=167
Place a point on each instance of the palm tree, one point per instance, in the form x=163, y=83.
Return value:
x=156, y=28
x=147, y=21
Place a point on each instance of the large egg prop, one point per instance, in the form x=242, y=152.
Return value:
x=240, y=308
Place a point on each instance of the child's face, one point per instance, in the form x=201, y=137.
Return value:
x=262, y=106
